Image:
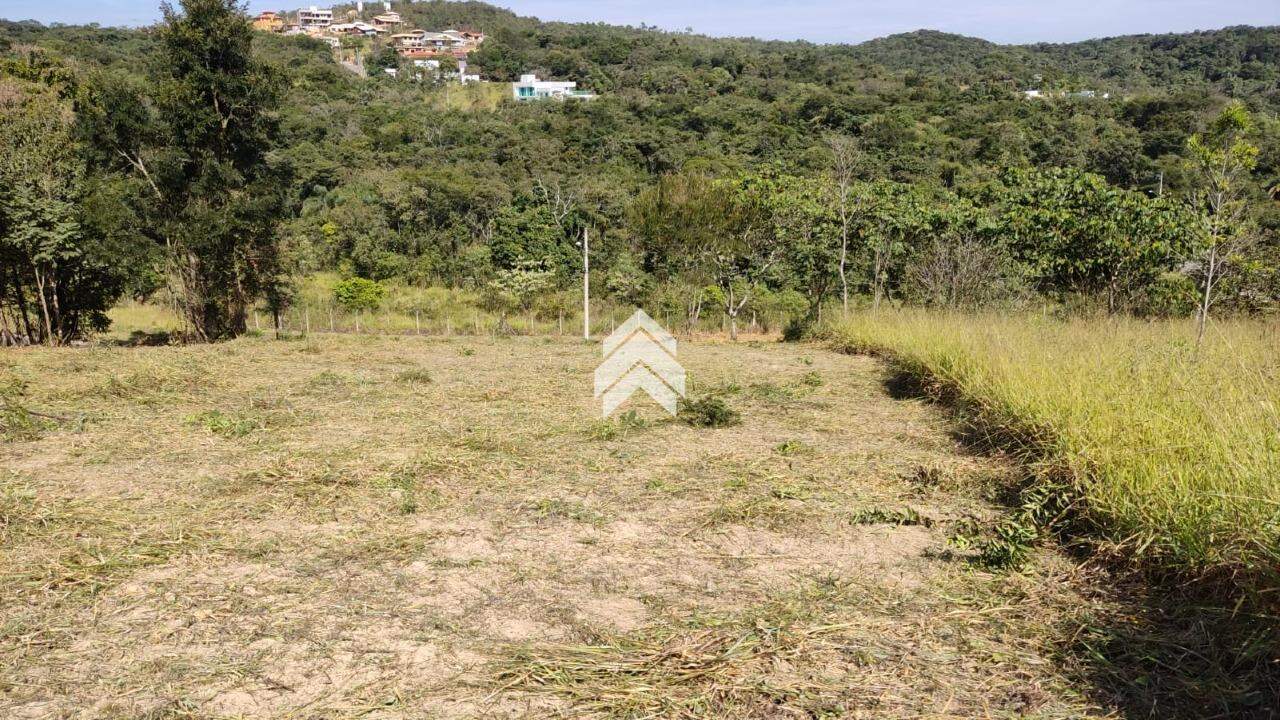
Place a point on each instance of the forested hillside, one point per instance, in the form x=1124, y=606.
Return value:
x=410, y=181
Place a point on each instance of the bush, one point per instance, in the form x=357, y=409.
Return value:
x=1172, y=295
x=797, y=329
x=357, y=293
x=710, y=411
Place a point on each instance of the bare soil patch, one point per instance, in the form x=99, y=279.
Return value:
x=442, y=527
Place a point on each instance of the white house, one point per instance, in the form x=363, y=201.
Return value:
x=531, y=88
x=460, y=74
x=314, y=17
x=1042, y=95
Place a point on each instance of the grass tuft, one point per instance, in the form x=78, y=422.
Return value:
x=416, y=376
x=227, y=425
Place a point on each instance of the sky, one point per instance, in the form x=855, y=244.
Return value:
x=1005, y=21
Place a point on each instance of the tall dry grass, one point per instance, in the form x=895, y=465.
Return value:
x=1172, y=452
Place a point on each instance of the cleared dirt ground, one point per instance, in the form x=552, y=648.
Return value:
x=442, y=527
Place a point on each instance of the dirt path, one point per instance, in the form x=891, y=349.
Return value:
x=315, y=529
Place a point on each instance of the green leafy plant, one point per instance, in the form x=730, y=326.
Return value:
x=792, y=447
x=226, y=425
x=16, y=421
x=357, y=294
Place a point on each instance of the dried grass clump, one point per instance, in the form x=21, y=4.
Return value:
x=721, y=671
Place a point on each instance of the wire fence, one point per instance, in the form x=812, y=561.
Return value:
x=309, y=318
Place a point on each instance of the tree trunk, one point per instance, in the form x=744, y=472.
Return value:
x=49, y=338
x=586, y=285
x=1202, y=317
x=844, y=255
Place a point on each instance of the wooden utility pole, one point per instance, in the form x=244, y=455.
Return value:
x=586, y=285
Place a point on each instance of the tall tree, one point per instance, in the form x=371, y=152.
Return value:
x=218, y=196
x=848, y=161
x=63, y=261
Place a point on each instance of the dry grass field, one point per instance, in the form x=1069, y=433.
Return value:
x=413, y=527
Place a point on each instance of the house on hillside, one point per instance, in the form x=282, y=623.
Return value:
x=386, y=20
x=314, y=18
x=1045, y=95
x=268, y=21
x=468, y=39
x=460, y=75
x=531, y=88
x=356, y=28
x=412, y=38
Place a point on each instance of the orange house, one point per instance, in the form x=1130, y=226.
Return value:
x=269, y=21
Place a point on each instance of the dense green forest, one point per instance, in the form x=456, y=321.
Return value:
x=716, y=173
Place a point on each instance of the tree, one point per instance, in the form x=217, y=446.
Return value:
x=1076, y=232
x=1222, y=160
x=719, y=227
x=515, y=289
x=895, y=219
x=963, y=263
x=812, y=236
x=848, y=162
x=216, y=195
x=64, y=255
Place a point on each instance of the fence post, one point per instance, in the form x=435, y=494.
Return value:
x=417, y=323
x=331, y=319
x=358, y=321
x=448, y=326
x=306, y=319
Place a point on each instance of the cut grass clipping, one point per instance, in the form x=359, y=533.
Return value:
x=1171, y=454
x=722, y=671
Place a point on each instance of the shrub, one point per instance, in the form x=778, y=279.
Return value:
x=1171, y=295
x=357, y=293
x=797, y=329
x=709, y=411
